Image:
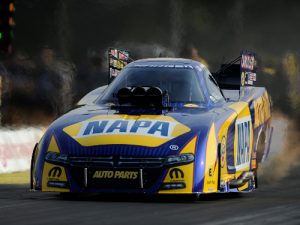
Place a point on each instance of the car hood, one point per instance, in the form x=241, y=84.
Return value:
x=103, y=131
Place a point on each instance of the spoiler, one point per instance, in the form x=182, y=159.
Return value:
x=117, y=60
x=238, y=73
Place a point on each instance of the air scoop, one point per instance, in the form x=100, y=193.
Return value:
x=141, y=96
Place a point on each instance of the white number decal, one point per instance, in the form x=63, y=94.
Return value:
x=243, y=145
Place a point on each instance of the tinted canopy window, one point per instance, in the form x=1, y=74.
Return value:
x=182, y=84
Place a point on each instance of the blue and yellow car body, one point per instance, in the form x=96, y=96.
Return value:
x=186, y=149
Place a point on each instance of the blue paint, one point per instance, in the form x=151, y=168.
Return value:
x=95, y=127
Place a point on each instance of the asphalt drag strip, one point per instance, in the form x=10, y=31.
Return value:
x=270, y=204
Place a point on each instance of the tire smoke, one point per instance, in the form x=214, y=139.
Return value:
x=284, y=152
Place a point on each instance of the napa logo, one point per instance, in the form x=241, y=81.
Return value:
x=242, y=157
x=149, y=130
x=124, y=127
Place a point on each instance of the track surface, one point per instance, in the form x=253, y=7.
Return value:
x=276, y=204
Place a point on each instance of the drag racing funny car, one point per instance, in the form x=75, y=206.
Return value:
x=162, y=126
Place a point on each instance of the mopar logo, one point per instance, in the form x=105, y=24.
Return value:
x=140, y=127
x=175, y=172
x=55, y=172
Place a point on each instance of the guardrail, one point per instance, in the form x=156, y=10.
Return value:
x=16, y=146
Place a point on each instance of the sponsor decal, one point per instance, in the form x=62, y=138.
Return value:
x=176, y=66
x=55, y=172
x=118, y=59
x=262, y=110
x=222, y=151
x=248, y=61
x=54, y=178
x=248, y=70
x=118, y=174
x=174, y=147
x=149, y=131
x=243, y=147
x=210, y=182
x=145, y=127
x=243, y=77
x=250, y=78
x=211, y=172
x=176, y=173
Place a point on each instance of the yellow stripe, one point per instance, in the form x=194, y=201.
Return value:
x=211, y=163
x=53, y=147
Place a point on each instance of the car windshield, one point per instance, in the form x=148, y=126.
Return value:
x=181, y=84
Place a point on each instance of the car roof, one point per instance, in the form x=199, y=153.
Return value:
x=166, y=61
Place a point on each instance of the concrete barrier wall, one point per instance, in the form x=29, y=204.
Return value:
x=16, y=147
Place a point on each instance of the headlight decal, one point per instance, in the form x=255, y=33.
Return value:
x=179, y=179
x=54, y=176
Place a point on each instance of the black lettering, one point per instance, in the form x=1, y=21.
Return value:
x=210, y=173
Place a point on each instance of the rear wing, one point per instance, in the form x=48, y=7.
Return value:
x=117, y=60
x=238, y=73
